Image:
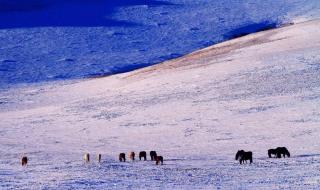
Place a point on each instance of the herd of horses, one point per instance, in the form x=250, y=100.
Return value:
x=142, y=155
x=243, y=156
x=122, y=157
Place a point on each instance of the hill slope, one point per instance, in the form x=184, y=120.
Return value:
x=254, y=93
x=49, y=40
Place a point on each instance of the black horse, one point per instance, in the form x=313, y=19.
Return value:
x=122, y=157
x=153, y=155
x=143, y=154
x=244, y=156
x=278, y=152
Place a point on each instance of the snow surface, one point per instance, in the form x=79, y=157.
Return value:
x=45, y=40
x=254, y=93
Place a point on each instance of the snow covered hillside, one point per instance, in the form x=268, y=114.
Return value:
x=254, y=93
x=45, y=40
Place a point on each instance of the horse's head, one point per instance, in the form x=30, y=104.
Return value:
x=287, y=152
x=239, y=153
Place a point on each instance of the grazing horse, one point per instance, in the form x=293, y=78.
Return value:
x=24, y=161
x=159, y=159
x=278, y=152
x=282, y=151
x=143, y=154
x=99, y=157
x=132, y=155
x=86, y=157
x=153, y=155
x=122, y=157
x=244, y=156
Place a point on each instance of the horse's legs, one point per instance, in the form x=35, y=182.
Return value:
x=278, y=155
x=145, y=158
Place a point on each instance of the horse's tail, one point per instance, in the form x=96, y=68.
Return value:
x=237, y=156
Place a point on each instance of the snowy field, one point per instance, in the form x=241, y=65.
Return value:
x=256, y=92
x=49, y=40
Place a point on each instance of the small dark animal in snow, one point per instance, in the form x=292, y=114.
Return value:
x=159, y=159
x=132, y=155
x=282, y=151
x=24, y=161
x=99, y=157
x=244, y=156
x=143, y=154
x=122, y=157
x=153, y=155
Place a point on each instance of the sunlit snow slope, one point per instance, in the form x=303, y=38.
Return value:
x=254, y=93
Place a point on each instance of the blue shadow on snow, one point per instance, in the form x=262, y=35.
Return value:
x=250, y=28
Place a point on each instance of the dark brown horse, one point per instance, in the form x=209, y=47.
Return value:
x=122, y=157
x=153, y=155
x=159, y=159
x=244, y=156
x=24, y=161
x=278, y=152
x=143, y=154
x=132, y=155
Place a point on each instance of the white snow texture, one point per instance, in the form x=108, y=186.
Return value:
x=253, y=93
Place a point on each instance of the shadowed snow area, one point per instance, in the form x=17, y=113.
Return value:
x=48, y=40
x=256, y=92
